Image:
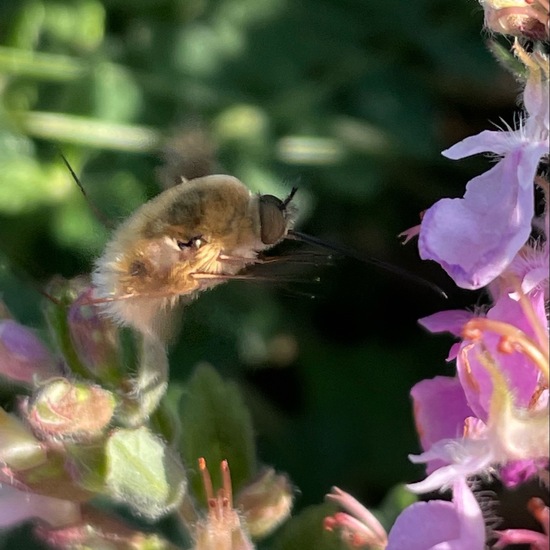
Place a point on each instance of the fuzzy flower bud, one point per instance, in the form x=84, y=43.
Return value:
x=19, y=449
x=94, y=338
x=63, y=409
x=527, y=18
x=96, y=529
x=266, y=502
x=23, y=357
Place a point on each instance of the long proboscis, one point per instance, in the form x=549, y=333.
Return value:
x=304, y=237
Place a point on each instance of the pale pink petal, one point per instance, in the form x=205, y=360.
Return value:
x=441, y=525
x=475, y=238
x=17, y=507
x=497, y=142
x=440, y=410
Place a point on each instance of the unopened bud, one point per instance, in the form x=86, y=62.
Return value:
x=74, y=410
x=19, y=506
x=97, y=529
x=19, y=449
x=94, y=338
x=266, y=502
x=23, y=357
x=527, y=18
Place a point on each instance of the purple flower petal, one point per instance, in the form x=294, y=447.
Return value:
x=489, y=140
x=475, y=238
x=519, y=371
x=456, y=525
x=22, y=355
x=17, y=507
x=519, y=471
x=451, y=321
x=440, y=410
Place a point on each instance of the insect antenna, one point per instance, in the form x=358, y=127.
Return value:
x=299, y=236
x=100, y=216
x=290, y=197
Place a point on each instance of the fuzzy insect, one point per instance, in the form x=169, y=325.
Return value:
x=189, y=238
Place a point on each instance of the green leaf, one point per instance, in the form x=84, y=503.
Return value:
x=306, y=531
x=396, y=500
x=143, y=473
x=216, y=425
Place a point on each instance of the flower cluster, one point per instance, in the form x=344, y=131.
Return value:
x=492, y=417
x=85, y=425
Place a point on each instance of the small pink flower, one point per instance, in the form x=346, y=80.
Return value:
x=358, y=527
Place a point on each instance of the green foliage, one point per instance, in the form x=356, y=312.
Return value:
x=305, y=531
x=143, y=473
x=216, y=426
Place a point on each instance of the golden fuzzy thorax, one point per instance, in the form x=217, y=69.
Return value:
x=147, y=266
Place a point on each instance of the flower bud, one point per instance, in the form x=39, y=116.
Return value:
x=19, y=506
x=23, y=357
x=98, y=529
x=94, y=338
x=19, y=449
x=63, y=409
x=527, y=18
x=266, y=502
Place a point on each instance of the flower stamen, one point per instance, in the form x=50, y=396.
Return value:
x=513, y=339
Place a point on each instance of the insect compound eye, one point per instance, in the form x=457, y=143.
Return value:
x=194, y=242
x=272, y=219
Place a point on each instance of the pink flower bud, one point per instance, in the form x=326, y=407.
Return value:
x=266, y=502
x=23, y=357
x=78, y=411
x=19, y=449
x=527, y=18
x=94, y=338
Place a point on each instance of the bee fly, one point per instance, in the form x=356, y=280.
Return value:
x=189, y=238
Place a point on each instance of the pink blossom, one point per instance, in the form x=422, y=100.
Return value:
x=475, y=238
x=442, y=525
x=357, y=526
x=440, y=410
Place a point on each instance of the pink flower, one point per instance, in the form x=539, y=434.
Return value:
x=475, y=238
x=510, y=432
x=438, y=524
x=440, y=411
x=357, y=526
x=521, y=373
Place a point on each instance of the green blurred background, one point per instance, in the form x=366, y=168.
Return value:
x=350, y=100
